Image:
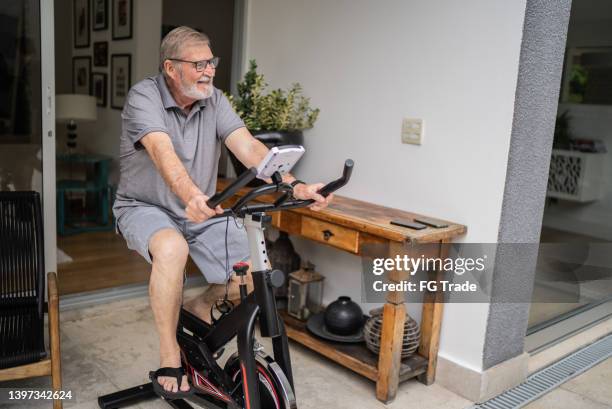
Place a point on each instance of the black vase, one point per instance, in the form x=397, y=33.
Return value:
x=270, y=139
x=343, y=316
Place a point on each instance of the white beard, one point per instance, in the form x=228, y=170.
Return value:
x=192, y=91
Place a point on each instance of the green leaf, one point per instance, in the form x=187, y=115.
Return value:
x=277, y=110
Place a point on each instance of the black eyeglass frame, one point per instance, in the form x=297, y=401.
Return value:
x=214, y=62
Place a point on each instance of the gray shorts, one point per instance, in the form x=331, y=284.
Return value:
x=206, y=240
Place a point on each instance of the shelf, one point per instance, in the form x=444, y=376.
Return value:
x=355, y=357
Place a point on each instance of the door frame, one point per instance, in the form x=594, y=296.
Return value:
x=47, y=56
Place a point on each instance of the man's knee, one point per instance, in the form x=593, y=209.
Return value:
x=168, y=246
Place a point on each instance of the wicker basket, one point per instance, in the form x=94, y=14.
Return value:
x=373, y=328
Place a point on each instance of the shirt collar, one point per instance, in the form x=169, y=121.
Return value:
x=166, y=96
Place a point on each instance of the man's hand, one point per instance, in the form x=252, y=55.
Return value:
x=304, y=192
x=197, y=210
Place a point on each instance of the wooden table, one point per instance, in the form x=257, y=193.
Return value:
x=352, y=225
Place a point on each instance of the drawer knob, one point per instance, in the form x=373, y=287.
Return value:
x=327, y=235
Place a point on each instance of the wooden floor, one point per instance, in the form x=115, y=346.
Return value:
x=100, y=260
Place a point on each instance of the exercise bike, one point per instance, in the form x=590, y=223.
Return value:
x=250, y=378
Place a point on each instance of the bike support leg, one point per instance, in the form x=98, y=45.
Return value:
x=280, y=347
x=250, y=381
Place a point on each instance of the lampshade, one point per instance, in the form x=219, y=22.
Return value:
x=75, y=107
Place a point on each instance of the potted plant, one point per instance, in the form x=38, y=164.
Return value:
x=275, y=118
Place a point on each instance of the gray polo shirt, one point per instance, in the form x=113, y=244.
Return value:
x=196, y=137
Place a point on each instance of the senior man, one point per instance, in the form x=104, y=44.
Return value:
x=173, y=126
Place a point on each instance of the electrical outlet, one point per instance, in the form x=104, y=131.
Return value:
x=413, y=130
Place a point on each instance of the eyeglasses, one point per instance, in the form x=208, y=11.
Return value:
x=202, y=64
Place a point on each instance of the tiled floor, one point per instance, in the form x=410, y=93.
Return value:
x=113, y=346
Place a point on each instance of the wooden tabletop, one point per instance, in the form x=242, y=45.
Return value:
x=370, y=218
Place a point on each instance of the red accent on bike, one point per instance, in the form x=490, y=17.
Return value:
x=245, y=387
x=262, y=372
x=265, y=375
x=240, y=264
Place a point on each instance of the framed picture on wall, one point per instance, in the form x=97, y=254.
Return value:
x=81, y=75
x=100, y=50
x=81, y=23
x=100, y=14
x=98, y=80
x=122, y=19
x=121, y=71
x=587, y=76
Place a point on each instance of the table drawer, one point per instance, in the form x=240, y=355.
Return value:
x=334, y=235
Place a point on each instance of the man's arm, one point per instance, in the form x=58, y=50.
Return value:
x=251, y=152
x=160, y=149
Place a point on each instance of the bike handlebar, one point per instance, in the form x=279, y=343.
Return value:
x=241, y=208
x=234, y=187
x=338, y=183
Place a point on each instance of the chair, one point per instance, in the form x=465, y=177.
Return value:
x=22, y=297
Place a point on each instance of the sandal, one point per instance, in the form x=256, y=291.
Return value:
x=175, y=373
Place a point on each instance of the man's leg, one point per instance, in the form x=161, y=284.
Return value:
x=201, y=304
x=169, y=252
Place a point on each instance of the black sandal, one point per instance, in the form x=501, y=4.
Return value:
x=175, y=373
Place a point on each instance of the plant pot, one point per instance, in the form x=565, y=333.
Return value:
x=270, y=139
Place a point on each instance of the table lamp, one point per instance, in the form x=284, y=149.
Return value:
x=73, y=108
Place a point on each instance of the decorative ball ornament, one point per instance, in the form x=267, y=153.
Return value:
x=373, y=329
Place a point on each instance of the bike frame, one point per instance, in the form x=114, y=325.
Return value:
x=200, y=341
x=260, y=306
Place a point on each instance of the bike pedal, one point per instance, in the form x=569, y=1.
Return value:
x=257, y=347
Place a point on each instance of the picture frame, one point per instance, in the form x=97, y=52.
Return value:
x=586, y=76
x=10, y=50
x=81, y=75
x=99, y=15
x=98, y=83
x=121, y=72
x=80, y=22
x=100, y=54
x=122, y=19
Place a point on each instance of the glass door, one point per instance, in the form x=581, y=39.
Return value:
x=27, y=130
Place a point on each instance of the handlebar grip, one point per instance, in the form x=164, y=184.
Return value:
x=235, y=186
x=338, y=183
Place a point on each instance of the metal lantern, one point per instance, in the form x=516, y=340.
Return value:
x=305, y=292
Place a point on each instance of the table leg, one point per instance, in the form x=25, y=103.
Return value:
x=101, y=180
x=430, y=338
x=394, y=316
x=104, y=207
x=431, y=322
x=389, y=360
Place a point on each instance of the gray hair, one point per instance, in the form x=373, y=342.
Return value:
x=173, y=43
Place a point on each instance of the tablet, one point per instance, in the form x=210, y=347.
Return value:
x=279, y=159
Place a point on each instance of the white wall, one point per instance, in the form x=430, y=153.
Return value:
x=368, y=64
x=103, y=135
x=590, y=26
